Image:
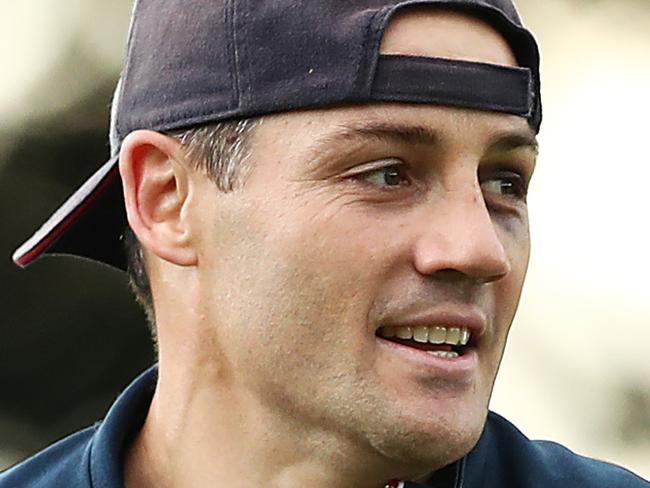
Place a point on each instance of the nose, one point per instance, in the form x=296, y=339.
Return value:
x=458, y=234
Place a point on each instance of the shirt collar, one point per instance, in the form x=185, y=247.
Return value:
x=122, y=422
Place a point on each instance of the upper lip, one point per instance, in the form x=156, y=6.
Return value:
x=469, y=318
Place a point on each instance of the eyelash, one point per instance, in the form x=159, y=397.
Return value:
x=513, y=179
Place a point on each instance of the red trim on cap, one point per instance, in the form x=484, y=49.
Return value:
x=48, y=239
x=394, y=484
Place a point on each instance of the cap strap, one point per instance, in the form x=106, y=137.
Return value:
x=442, y=81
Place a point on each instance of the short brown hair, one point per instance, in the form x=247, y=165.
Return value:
x=221, y=151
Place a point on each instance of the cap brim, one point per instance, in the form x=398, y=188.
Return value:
x=90, y=224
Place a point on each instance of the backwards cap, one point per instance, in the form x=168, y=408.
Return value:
x=192, y=62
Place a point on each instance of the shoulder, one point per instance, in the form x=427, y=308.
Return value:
x=93, y=456
x=511, y=459
x=567, y=468
x=63, y=464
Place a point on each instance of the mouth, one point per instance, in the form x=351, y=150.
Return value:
x=436, y=340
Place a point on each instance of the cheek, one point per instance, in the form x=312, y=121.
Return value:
x=296, y=286
x=322, y=275
x=514, y=235
x=507, y=292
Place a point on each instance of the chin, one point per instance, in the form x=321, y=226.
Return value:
x=432, y=443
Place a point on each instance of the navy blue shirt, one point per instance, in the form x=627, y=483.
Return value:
x=503, y=457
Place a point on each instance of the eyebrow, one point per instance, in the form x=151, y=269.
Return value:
x=402, y=133
x=410, y=134
x=330, y=144
x=510, y=141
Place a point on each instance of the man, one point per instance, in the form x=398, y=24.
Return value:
x=328, y=228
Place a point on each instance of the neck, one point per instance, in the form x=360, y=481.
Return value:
x=203, y=431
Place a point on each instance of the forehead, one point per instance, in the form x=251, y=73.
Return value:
x=433, y=32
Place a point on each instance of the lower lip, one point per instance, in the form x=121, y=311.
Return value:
x=460, y=368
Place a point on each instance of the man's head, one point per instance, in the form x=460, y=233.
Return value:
x=351, y=220
x=355, y=289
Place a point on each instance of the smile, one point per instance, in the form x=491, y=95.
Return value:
x=440, y=341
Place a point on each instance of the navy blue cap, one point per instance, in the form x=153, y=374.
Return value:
x=192, y=62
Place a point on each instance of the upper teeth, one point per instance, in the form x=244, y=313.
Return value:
x=455, y=336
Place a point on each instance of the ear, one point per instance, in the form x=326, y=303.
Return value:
x=156, y=190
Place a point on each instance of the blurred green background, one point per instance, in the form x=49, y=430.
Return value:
x=577, y=367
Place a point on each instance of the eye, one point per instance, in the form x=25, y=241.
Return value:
x=394, y=175
x=508, y=184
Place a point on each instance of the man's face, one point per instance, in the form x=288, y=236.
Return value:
x=360, y=218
